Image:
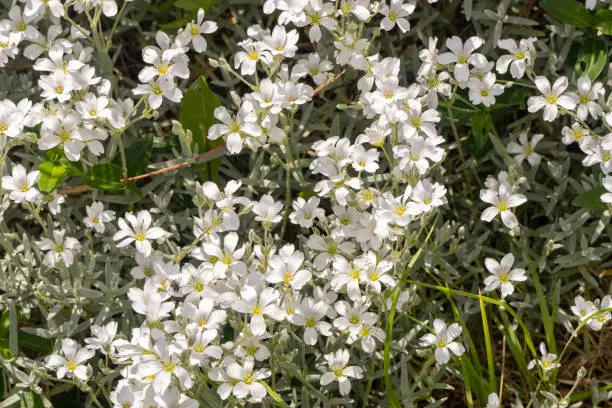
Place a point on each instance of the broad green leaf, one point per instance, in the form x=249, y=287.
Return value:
x=602, y=20
x=568, y=11
x=55, y=154
x=478, y=143
x=590, y=199
x=51, y=175
x=29, y=341
x=197, y=115
x=194, y=5
x=137, y=157
x=105, y=176
x=592, y=59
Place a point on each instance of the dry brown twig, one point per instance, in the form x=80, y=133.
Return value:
x=206, y=155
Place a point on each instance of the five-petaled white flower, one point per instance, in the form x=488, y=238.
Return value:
x=139, y=230
x=21, y=185
x=442, y=338
x=97, y=216
x=551, y=98
x=502, y=276
x=462, y=55
x=525, y=149
x=502, y=201
x=70, y=364
x=340, y=371
x=59, y=248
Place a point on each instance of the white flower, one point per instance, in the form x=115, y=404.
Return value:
x=193, y=31
x=484, y=90
x=286, y=268
x=492, y=401
x=281, y=42
x=21, y=185
x=576, y=134
x=442, y=338
x=425, y=197
x=235, y=129
x=259, y=305
x=310, y=314
x=583, y=308
x=351, y=51
x=607, y=196
x=395, y=14
x=244, y=381
x=254, y=51
x=158, y=89
x=502, y=275
x=547, y=362
x=70, y=364
x=58, y=248
x=97, y=216
x=551, y=98
x=587, y=98
x=502, y=202
x=139, y=231
x=203, y=315
x=103, y=337
x=462, y=55
x=173, y=398
x=306, y=212
x=268, y=210
x=525, y=150
x=520, y=57
x=374, y=273
x=164, y=368
x=339, y=370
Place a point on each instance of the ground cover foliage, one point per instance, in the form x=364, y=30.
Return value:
x=305, y=203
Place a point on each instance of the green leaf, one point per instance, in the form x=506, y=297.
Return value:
x=51, y=175
x=478, y=143
x=592, y=59
x=590, y=199
x=55, y=154
x=197, y=115
x=137, y=156
x=602, y=20
x=29, y=341
x=29, y=399
x=105, y=176
x=568, y=11
x=194, y=5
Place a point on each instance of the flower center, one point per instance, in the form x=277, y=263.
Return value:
x=502, y=206
x=310, y=322
x=257, y=310
x=24, y=188
x=399, y=211
x=59, y=248
x=198, y=287
x=338, y=372
x=503, y=277
x=354, y=319
x=169, y=367
x=354, y=274
x=71, y=365
x=194, y=30
x=552, y=99
x=484, y=92
x=198, y=349
x=287, y=278
x=584, y=99
x=139, y=236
